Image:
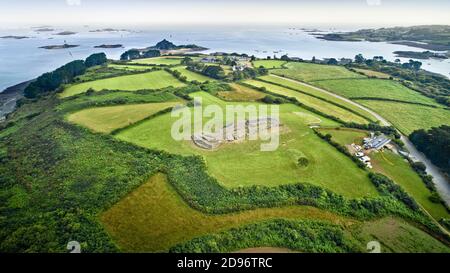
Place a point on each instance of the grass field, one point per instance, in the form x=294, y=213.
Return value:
x=308, y=72
x=154, y=217
x=371, y=73
x=129, y=67
x=158, y=61
x=318, y=104
x=346, y=136
x=240, y=93
x=395, y=167
x=107, y=119
x=374, y=88
x=150, y=80
x=397, y=236
x=409, y=117
x=314, y=92
x=192, y=76
x=269, y=64
x=231, y=163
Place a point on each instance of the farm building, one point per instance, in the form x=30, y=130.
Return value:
x=376, y=143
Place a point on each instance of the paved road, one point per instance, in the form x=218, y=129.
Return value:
x=441, y=182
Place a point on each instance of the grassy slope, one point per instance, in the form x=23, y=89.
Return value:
x=107, y=119
x=318, y=104
x=151, y=80
x=240, y=93
x=308, y=72
x=192, y=76
x=154, y=218
x=231, y=163
x=374, y=88
x=371, y=73
x=395, y=167
x=397, y=236
x=346, y=136
x=314, y=92
x=158, y=61
x=128, y=67
x=409, y=117
x=269, y=64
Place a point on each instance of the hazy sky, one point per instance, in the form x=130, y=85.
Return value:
x=152, y=12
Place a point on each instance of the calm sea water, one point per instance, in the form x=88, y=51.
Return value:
x=21, y=60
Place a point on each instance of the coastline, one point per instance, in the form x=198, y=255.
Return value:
x=9, y=97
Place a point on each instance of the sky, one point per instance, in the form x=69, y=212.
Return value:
x=222, y=12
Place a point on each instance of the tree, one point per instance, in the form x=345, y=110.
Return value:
x=96, y=59
x=285, y=58
x=302, y=162
x=151, y=53
x=313, y=59
x=130, y=55
x=332, y=61
x=359, y=59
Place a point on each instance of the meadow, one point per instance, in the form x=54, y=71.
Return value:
x=154, y=217
x=231, y=163
x=322, y=106
x=374, y=88
x=158, y=61
x=308, y=72
x=240, y=93
x=409, y=117
x=150, y=80
x=371, y=73
x=269, y=64
x=129, y=67
x=395, y=167
x=107, y=119
x=191, y=76
x=304, y=88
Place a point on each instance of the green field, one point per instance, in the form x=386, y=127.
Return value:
x=345, y=136
x=129, y=67
x=269, y=64
x=154, y=217
x=240, y=93
x=231, y=163
x=159, y=61
x=371, y=73
x=396, y=168
x=318, y=104
x=308, y=72
x=316, y=93
x=374, y=88
x=107, y=119
x=398, y=236
x=192, y=76
x=150, y=80
x=409, y=117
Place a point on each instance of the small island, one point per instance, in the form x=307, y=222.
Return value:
x=58, y=46
x=64, y=33
x=109, y=46
x=14, y=37
x=46, y=29
x=425, y=55
x=163, y=47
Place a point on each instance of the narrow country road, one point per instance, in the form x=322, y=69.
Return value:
x=442, y=184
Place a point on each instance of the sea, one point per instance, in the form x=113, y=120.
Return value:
x=23, y=59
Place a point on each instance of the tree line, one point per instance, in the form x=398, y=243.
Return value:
x=50, y=81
